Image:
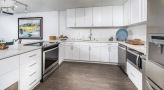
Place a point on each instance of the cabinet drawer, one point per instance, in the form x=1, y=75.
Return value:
x=29, y=56
x=9, y=79
x=28, y=67
x=72, y=43
x=95, y=44
x=27, y=83
x=109, y=44
x=134, y=75
x=85, y=44
x=9, y=64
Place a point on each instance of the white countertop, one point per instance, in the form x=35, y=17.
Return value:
x=140, y=48
x=16, y=50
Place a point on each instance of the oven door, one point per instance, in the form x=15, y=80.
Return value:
x=133, y=58
x=50, y=59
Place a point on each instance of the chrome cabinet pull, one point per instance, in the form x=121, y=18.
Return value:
x=32, y=74
x=32, y=55
x=32, y=65
x=32, y=82
x=132, y=74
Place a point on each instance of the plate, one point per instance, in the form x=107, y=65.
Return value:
x=122, y=34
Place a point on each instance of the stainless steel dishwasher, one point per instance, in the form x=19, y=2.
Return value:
x=122, y=57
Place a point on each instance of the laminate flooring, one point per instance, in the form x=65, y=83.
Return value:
x=87, y=76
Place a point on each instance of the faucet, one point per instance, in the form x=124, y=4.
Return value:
x=90, y=36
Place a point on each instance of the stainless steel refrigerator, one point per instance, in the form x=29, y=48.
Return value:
x=155, y=46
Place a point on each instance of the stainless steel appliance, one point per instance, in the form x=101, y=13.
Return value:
x=50, y=60
x=134, y=58
x=155, y=30
x=122, y=57
x=155, y=63
x=143, y=58
x=50, y=57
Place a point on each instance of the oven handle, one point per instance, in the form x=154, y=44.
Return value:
x=133, y=53
x=50, y=50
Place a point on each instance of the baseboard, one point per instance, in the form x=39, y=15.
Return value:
x=83, y=61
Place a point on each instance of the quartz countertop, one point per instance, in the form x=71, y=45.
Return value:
x=16, y=50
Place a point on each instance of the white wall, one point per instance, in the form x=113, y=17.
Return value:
x=137, y=32
x=99, y=33
x=9, y=24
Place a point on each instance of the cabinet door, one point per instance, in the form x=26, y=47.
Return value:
x=76, y=52
x=107, y=16
x=71, y=18
x=144, y=10
x=84, y=53
x=80, y=17
x=127, y=13
x=113, y=54
x=88, y=17
x=105, y=54
x=68, y=51
x=61, y=53
x=94, y=53
x=96, y=16
x=117, y=15
x=135, y=11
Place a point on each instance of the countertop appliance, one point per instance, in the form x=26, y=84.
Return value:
x=155, y=30
x=122, y=57
x=134, y=58
x=50, y=57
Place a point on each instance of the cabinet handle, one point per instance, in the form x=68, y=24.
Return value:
x=32, y=74
x=32, y=55
x=32, y=65
x=132, y=74
x=32, y=82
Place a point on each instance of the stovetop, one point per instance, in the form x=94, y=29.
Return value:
x=42, y=44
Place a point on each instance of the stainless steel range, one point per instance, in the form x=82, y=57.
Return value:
x=50, y=55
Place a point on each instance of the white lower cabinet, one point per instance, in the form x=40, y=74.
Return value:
x=113, y=54
x=84, y=53
x=30, y=71
x=95, y=53
x=68, y=52
x=61, y=53
x=109, y=52
x=134, y=75
x=72, y=51
x=105, y=54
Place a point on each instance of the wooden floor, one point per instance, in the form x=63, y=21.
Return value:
x=87, y=76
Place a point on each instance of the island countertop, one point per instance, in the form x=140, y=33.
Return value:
x=14, y=50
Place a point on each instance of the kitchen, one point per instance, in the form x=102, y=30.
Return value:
x=81, y=45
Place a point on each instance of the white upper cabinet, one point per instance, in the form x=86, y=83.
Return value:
x=80, y=17
x=127, y=13
x=88, y=17
x=144, y=10
x=97, y=16
x=107, y=16
x=135, y=11
x=117, y=15
x=71, y=20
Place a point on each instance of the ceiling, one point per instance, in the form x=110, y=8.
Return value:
x=56, y=5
